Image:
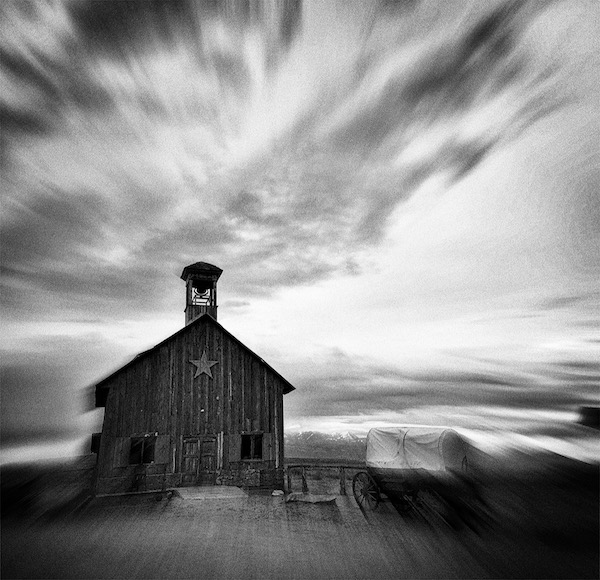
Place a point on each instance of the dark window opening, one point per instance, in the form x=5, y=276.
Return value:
x=252, y=446
x=95, y=446
x=142, y=450
x=201, y=293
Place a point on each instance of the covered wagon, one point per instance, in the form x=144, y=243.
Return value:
x=406, y=462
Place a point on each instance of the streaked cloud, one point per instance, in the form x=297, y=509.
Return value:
x=343, y=384
x=171, y=124
x=403, y=195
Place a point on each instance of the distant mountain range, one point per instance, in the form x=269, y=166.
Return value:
x=335, y=447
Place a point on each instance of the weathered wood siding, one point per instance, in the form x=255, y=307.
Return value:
x=159, y=394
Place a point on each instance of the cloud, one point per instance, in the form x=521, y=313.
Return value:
x=43, y=70
x=34, y=399
x=42, y=380
x=168, y=136
x=114, y=25
x=343, y=385
x=140, y=136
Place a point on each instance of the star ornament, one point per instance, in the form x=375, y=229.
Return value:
x=203, y=365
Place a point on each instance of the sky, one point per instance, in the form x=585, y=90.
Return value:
x=403, y=197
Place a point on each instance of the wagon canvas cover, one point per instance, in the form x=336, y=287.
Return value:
x=437, y=449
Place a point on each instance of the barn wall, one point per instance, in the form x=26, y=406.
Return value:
x=159, y=394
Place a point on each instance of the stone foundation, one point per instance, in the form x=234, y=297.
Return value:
x=246, y=476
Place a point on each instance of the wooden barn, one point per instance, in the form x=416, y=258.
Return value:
x=200, y=408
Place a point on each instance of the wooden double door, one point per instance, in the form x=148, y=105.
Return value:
x=199, y=461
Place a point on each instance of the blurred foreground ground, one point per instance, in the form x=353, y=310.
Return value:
x=541, y=521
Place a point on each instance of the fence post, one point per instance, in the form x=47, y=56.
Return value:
x=289, y=479
x=342, y=481
x=304, y=483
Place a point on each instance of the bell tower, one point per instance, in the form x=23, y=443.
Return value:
x=201, y=290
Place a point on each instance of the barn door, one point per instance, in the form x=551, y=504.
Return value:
x=191, y=461
x=199, y=460
x=208, y=462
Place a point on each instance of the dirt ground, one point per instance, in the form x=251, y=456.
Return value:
x=529, y=532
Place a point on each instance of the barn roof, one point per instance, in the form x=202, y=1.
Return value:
x=288, y=388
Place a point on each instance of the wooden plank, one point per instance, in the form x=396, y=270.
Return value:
x=121, y=446
x=182, y=378
x=224, y=348
x=279, y=426
x=219, y=451
x=268, y=451
x=190, y=460
x=190, y=423
x=304, y=481
x=159, y=392
x=209, y=405
x=117, y=415
x=243, y=392
x=238, y=392
x=130, y=401
x=228, y=427
x=162, y=451
x=143, y=395
x=204, y=418
x=221, y=392
x=256, y=398
x=124, y=408
x=278, y=432
x=208, y=386
x=174, y=385
x=201, y=385
x=227, y=414
x=266, y=401
x=251, y=409
x=273, y=400
x=235, y=447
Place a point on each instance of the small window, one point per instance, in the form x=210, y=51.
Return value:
x=142, y=450
x=252, y=446
x=95, y=446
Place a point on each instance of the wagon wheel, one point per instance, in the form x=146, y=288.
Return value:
x=365, y=490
